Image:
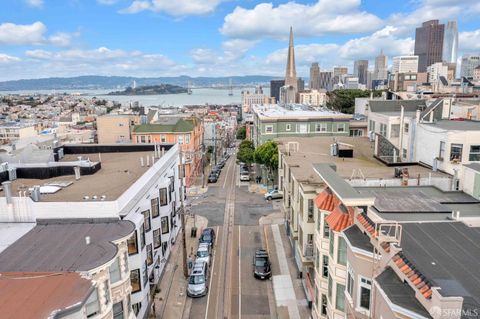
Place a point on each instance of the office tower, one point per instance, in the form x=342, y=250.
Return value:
x=300, y=85
x=380, y=71
x=469, y=63
x=314, y=76
x=360, y=69
x=325, y=80
x=340, y=71
x=450, y=42
x=369, y=80
x=405, y=64
x=429, y=44
x=288, y=94
x=275, y=86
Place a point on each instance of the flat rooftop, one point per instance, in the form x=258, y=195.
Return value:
x=46, y=294
x=41, y=250
x=448, y=255
x=420, y=203
x=316, y=150
x=10, y=232
x=456, y=125
x=118, y=172
x=295, y=111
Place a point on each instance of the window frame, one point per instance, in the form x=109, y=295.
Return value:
x=146, y=220
x=350, y=281
x=325, y=266
x=288, y=127
x=163, y=222
x=149, y=254
x=115, y=266
x=155, y=207
x=459, y=146
x=163, y=196
x=132, y=276
x=118, y=313
x=134, y=235
x=342, y=251
x=365, y=283
x=91, y=302
x=142, y=237
x=342, y=126
x=340, y=297
x=406, y=128
x=268, y=129
x=476, y=154
x=441, y=151
x=157, y=237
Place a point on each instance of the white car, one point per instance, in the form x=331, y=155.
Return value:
x=244, y=177
x=203, y=254
x=273, y=194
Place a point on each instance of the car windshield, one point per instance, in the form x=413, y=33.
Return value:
x=260, y=262
x=202, y=253
x=206, y=237
x=197, y=279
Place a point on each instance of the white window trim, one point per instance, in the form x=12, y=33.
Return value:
x=350, y=271
x=266, y=129
x=288, y=127
x=360, y=284
x=342, y=125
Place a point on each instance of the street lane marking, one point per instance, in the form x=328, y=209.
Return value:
x=211, y=272
x=239, y=275
x=226, y=174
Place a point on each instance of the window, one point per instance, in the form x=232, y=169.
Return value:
x=404, y=153
x=146, y=220
x=288, y=127
x=163, y=138
x=342, y=251
x=310, y=210
x=330, y=287
x=106, y=292
x=325, y=266
x=365, y=287
x=142, y=139
x=341, y=127
x=456, y=152
x=145, y=272
x=326, y=228
x=474, y=153
x=157, y=239
x=350, y=281
x=187, y=138
x=303, y=128
x=135, y=280
x=180, y=139
x=406, y=128
x=395, y=130
x=165, y=225
x=340, y=297
x=118, y=310
x=163, y=197
x=383, y=129
x=323, y=308
x=441, y=152
x=269, y=129
x=332, y=243
x=317, y=127
x=92, y=307
x=133, y=244
x=149, y=254
x=142, y=237
x=371, y=125
x=136, y=308
x=114, y=270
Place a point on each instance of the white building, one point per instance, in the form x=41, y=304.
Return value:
x=436, y=70
x=112, y=182
x=12, y=131
x=405, y=64
x=469, y=63
x=313, y=97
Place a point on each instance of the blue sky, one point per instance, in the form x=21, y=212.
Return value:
x=42, y=38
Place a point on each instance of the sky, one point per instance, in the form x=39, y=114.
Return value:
x=45, y=38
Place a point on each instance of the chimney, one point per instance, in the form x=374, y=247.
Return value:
x=35, y=195
x=7, y=189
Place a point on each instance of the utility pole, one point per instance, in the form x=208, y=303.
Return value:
x=184, y=224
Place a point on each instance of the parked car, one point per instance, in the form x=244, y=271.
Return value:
x=207, y=237
x=244, y=176
x=261, y=265
x=203, y=253
x=273, y=194
x=221, y=164
x=198, y=280
x=212, y=178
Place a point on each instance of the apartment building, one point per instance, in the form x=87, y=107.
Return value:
x=275, y=121
x=116, y=128
x=95, y=250
x=12, y=131
x=136, y=183
x=186, y=131
x=319, y=248
x=313, y=97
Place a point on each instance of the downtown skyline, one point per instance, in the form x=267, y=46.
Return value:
x=41, y=38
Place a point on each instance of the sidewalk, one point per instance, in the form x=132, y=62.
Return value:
x=170, y=301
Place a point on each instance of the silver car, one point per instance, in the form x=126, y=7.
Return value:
x=203, y=254
x=198, y=280
x=273, y=194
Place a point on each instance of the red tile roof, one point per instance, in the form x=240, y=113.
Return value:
x=340, y=218
x=367, y=223
x=414, y=276
x=326, y=200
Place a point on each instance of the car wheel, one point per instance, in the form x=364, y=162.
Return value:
x=269, y=198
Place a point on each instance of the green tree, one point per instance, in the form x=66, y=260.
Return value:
x=267, y=154
x=246, y=144
x=344, y=100
x=241, y=133
x=246, y=151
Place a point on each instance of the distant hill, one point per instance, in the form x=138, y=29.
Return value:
x=151, y=90
x=119, y=82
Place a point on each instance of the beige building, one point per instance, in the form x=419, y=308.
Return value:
x=113, y=129
x=12, y=131
x=313, y=97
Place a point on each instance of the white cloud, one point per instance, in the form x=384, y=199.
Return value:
x=469, y=41
x=35, y=3
x=176, y=8
x=237, y=48
x=323, y=17
x=18, y=34
x=4, y=58
x=204, y=56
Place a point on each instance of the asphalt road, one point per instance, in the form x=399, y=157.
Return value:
x=234, y=213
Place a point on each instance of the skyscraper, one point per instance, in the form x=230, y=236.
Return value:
x=405, y=64
x=288, y=94
x=450, y=42
x=314, y=76
x=469, y=63
x=429, y=44
x=339, y=71
x=360, y=69
x=275, y=86
x=325, y=80
x=380, y=71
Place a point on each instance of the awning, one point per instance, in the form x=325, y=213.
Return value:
x=340, y=218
